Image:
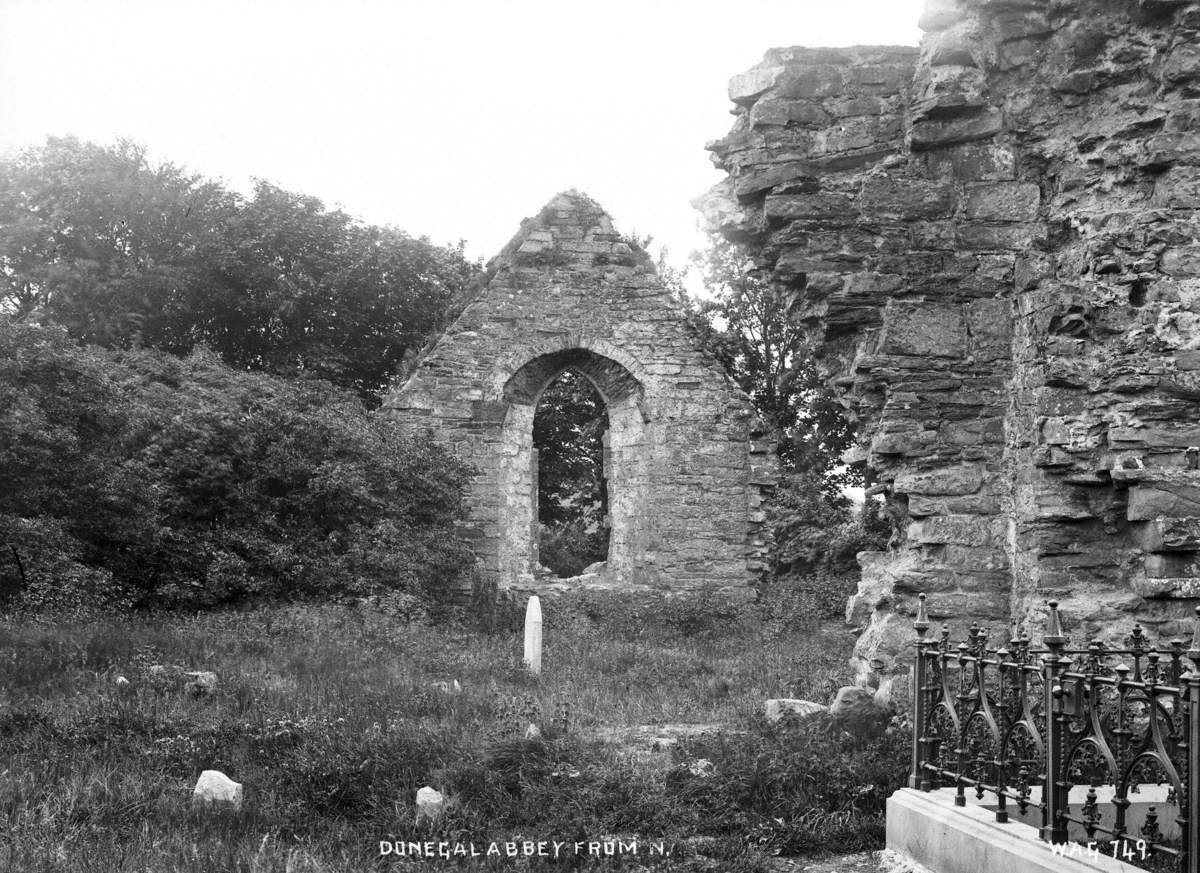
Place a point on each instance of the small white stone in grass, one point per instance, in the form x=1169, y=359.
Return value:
x=533, y=732
x=430, y=805
x=121, y=682
x=214, y=788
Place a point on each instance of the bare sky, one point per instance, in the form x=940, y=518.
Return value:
x=448, y=119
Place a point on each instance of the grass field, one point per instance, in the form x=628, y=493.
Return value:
x=330, y=719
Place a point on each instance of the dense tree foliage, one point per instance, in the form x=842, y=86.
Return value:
x=749, y=323
x=568, y=433
x=123, y=252
x=139, y=478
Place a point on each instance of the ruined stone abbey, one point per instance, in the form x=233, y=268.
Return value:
x=686, y=458
x=995, y=239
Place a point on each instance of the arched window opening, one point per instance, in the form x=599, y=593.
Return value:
x=569, y=435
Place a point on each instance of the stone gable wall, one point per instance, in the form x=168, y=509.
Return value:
x=995, y=237
x=687, y=460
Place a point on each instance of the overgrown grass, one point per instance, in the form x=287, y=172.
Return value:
x=330, y=719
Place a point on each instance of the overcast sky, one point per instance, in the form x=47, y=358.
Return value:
x=449, y=119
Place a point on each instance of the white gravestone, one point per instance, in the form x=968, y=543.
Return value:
x=533, y=636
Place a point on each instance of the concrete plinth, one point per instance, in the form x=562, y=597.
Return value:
x=930, y=829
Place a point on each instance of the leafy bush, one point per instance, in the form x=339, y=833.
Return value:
x=813, y=558
x=137, y=477
x=570, y=548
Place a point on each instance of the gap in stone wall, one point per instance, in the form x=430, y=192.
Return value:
x=570, y=441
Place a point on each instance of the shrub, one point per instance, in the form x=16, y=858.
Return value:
x=569, y=548
x=137, y=477
x=813, y=558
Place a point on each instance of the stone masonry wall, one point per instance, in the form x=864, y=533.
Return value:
x=687, y=460
x=995, y=237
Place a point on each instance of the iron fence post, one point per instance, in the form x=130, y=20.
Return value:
x=918, y=778
x=1191, y=827
x=1054, y=793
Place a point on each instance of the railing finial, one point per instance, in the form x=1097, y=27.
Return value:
x=922, y=623
x=1194, y=652
x=1054, y=633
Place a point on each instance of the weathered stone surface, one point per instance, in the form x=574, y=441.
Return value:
x=747, y=86
x=1163, y=498
x=214, y=788
x=1173, y=565
x=940, y=14
x=1002, y=201
x=1157, y=587
x=856, y=710
x=777, y=708
x=966, y=530
x=930, y=134
x=923, y=329
x=884, y=196
x=1039, y=335
x=431, y=804
x=685, y=464
x=1180, y=534
x=960, y=479
x=1161, y=436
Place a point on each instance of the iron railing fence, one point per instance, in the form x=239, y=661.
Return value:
x=1005, y=720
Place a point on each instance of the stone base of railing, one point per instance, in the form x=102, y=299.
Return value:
x=930, y=829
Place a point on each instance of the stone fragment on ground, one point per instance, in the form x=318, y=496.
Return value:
x=777, y=708
x=215, y=789
x=856, y=710
x=430, y=805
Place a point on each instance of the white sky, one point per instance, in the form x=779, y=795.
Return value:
x=447, y=119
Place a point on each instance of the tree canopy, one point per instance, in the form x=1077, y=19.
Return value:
x=124, y=253
x=750, y=325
